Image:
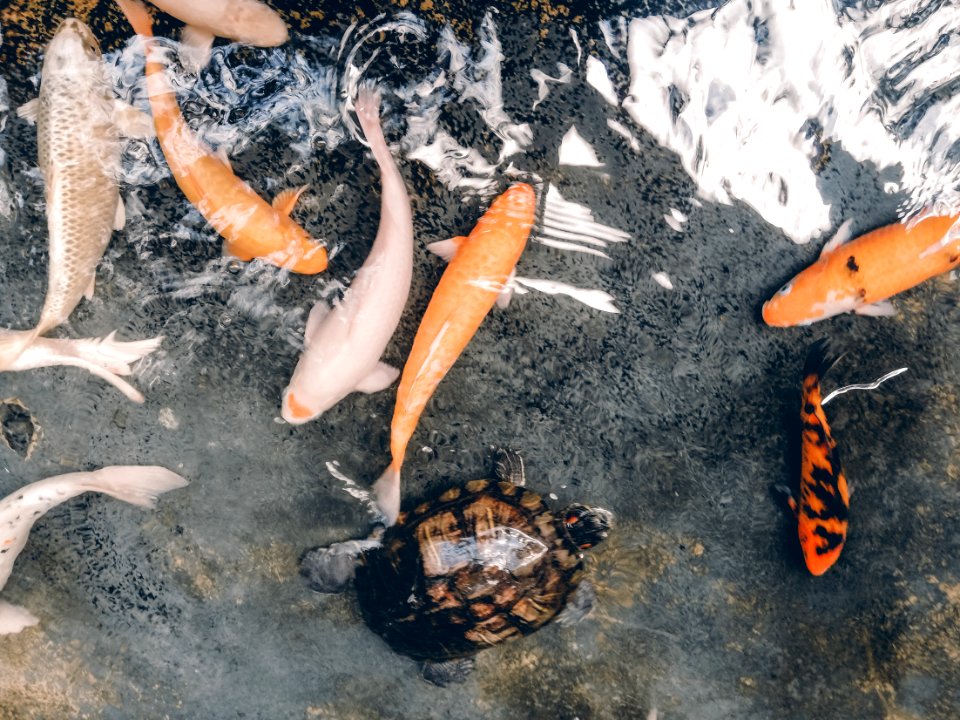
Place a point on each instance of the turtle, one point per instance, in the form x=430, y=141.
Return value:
x=484, y=562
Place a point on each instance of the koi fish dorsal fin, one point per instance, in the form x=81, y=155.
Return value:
x=842, y=235
x=446, y=249
x=286, y=200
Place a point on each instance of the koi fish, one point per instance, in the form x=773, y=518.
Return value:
x=823, y=508
x=136, y=484
x=79, y=123
x=478, y=274
x=251, y=227
x=246, y=21
x=343, y=346
x=858, y=276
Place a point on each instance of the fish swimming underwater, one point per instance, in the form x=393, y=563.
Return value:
x=79, y=123
x=479, y=270
x=246, y=21
x=859, y=275
x=823, y=508
x=250, y=226
x=135, y=484
x=342, y=346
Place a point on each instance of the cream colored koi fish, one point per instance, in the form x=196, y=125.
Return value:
x=79, y=123
x=135, y=484
x=247, y=21
x=342, y=346
x=250, y=226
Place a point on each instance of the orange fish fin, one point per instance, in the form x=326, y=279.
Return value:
x=286, y=200
x=138, y=16
x=446, y=249
x=380, y=378
x=29, y=110
x=883, y=308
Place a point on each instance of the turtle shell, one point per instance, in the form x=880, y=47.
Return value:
x=479, y=565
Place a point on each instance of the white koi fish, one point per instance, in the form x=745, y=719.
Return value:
x=78, y=145
x=343, y=345
x=246, y=21
x=135, y=484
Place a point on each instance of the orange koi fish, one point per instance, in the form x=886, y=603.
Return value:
x=251, y=227
x=480, y=267
x=858, y=276
x=824, y=503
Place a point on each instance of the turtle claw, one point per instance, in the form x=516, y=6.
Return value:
x=509, y=466
x=579, y=606
x=330, y=569
x=448, y=672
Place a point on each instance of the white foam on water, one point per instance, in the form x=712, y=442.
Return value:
x=675, y=219
x=598, y=78
x=741, y=93
x=575, y=151
x=592, y=297
x=542, y=80
x=663, y=280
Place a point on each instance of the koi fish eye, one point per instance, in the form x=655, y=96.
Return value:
x=785, y=290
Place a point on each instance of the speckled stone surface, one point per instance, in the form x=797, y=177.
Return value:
x=678, y=415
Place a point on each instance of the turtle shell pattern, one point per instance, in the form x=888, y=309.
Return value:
x=479, y=565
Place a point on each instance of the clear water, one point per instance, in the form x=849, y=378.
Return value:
x=710, y=146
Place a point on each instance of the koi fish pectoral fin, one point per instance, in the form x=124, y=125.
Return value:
x=130, y=122
x=786, y=496
x=506, y=294
x=446, y=249
x=14, y=618
x=842, y=235
x=286, y=200
x=195, y=45
x=88, y=293
x=884, y=308
x=120, y=215
x=380, y=378
x=29, y=110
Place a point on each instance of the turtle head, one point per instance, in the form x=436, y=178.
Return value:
x=587, y=526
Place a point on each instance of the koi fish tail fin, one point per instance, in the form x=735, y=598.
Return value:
x=12, y=345
x=138, y=16
x=107, y=358
x=136, y=484
x=14, y=618
x=820, y=358
x=387, y=490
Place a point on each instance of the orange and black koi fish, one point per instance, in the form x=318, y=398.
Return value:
x=823, y=508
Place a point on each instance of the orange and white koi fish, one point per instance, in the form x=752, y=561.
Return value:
x=479, y=270
x=858, y=276
x=135, y=484
x=250, y=22
x=251, y=227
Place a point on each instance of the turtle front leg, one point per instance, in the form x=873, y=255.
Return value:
x=509, y=466
x=579, y=605
x=330, y=569
x=448, y=672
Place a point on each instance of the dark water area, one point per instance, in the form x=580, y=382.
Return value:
x=679, y=414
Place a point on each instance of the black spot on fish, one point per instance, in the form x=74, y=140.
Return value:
x=852, y=264
x=815, y=426
x=834, y=540
x=809, y=408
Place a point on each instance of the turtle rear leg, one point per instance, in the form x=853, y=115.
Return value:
x=330, y=569
x=447, y=672
x=510, y=466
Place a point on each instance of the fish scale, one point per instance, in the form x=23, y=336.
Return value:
x=79, y=154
